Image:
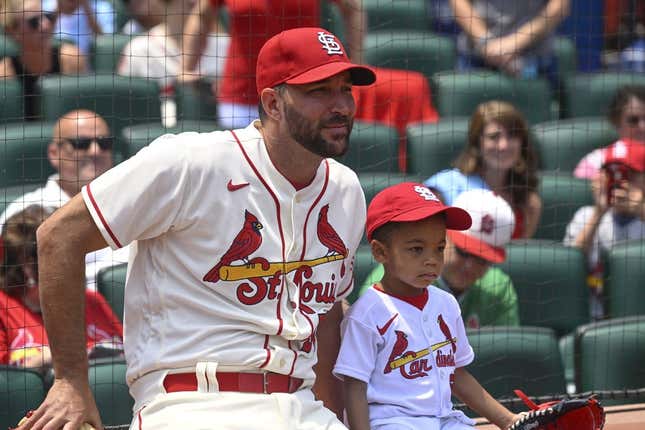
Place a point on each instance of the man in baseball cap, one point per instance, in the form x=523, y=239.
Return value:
x=617, y=214
x=486, y=294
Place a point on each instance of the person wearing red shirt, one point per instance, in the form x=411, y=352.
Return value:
x=23, y=340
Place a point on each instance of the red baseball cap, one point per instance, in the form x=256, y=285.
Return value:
x=305, y=55
x=410, y=201
x=626, y=151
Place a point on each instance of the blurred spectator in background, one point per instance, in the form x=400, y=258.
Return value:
x=23, y=340
x=80, y=21
x=617, y=215
x=498, y=156
x=80, y=150
x=515, y=37
x=31, y=28
x=157, y=53
x=627, y=114
x=485, y=293
x=144, y=14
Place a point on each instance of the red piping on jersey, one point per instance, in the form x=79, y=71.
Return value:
x=277, y=206
x=103, y=221
x=140, y=419
x=351, y=283
x=322, y=193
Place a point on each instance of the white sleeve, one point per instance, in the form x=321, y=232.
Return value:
x=576, y=225
x=464, y=354
x=142, y=197
x=358, y=350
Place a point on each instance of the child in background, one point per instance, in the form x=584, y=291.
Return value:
x=404, y=344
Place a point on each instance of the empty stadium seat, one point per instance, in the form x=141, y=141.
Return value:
x=137, y=136
x=9, y=194
x=196, y=102
x=120, y=100
x=565, y=51
x=108, y=383
x=562, y=144
x=625, y=279
x=424, y=52
x=373, y=182
x=432, y=147
x=609, y=355
x=20, y=391
x=373, y=148
x=459, y=93
x=23, y=153
x=110, y=282
x=507, y=358
x=105, y=51
x=590, y=94
x=562, y=195
x=550, y=280
x=396, y=15
x=11, y=101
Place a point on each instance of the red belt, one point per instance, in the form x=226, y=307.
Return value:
x=266, y=382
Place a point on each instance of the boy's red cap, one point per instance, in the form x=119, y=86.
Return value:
x=628, y=152
x=305, y=55
x=410, y=201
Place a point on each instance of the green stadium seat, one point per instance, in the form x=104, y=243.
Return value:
x=8, y=48
x=565, y=51
x=363, y=264
x=196, y=102
x=122, y=15
x=609, y=356
x=432, y=147
x=9, y=194
x=625, y=279
x=459, y=93
x=11, y=101
x=136, y=137
x=20, y=391
x=23, y=153
x=566, y=345
x=396, y=15
x=110, y=282
x=373, y=182
x=562, y=195
x=108, y=383
x=590, y=94
x=120, y=100
x=562, y=144
x=105, y=51
x=507, y=358
x=421, y=51
x=550, y=281
x=373, y=148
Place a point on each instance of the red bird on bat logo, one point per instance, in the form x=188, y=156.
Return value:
x=247, y=241
x=328, y=236
x=400, y=345
x=446, y=332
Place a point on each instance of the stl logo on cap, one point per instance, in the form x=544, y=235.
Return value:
x=329, y=43
x=425, y=193
x=488, y=224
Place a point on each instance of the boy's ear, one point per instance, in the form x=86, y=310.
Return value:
x=379, y=251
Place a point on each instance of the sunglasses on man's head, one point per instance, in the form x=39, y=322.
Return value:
x=34, y=21
x=83, y=143
x=463, y=254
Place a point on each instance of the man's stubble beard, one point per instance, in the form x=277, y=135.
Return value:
x=309, y=134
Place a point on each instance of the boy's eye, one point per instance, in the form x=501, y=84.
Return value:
x=416, y=249
x=441, y=248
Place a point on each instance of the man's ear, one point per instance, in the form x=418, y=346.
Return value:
x=53, y=154
x=379, y=251
x=271, y=99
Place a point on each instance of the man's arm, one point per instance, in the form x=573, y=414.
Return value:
x=63, y=240
x=198, y=24
x=327, y=387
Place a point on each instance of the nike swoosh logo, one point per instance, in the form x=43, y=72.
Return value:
x=234, y=187
x=387, y=325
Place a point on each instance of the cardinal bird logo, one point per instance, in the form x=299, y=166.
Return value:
x=247, y=241
x=400, y=346
x=446, y=332
x=328, y=236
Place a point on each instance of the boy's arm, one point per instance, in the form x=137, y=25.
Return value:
x=327, y=387
x=468, y=390
x=355, y=392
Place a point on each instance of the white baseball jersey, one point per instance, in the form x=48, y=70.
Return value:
x=230, y=264
x=407, y=356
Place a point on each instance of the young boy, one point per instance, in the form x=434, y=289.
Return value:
x=404, y=343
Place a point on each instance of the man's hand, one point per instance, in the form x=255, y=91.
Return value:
x=67, y=406
x=502, y=53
